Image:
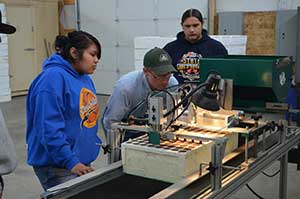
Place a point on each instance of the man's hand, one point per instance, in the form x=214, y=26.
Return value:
x=80, y=169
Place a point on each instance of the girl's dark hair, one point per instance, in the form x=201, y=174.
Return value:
x=80, y=40
x=192, y=13
x=60, y=42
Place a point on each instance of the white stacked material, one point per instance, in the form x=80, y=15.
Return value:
x=235, y=44
x=5, y=92
x=169, y=161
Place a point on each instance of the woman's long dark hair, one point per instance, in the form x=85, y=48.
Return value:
x=80, y=40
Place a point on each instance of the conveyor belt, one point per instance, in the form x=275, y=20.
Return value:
x=125, y=186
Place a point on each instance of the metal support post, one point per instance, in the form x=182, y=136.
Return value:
x=283, y=167
x=114, y=139
x=264, y=140
x=255, y=139
x=297, y=76
x=77, y=12
x=246, y=148
x=217, y=154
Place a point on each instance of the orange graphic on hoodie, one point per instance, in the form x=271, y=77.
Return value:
x=89, y=108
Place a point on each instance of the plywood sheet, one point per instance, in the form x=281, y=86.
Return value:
x=260, y=30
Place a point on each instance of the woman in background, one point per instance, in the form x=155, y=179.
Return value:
x=62, y=112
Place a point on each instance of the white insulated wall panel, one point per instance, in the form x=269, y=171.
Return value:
x=173, y=10
x=125, y=58
x=97, y=10
x=128, y=30
x=106, y=33
x=135, y=9
x=102, y=81
x=107, y=61
x=168, y=27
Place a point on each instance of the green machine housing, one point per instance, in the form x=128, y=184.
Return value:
x=256, y=79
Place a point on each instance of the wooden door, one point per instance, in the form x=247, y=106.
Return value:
x=21, y=50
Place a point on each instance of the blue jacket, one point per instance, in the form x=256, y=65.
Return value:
x=185, y=55
x=62, y=117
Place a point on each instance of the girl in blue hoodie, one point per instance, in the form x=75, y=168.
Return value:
x=191, y=44
x=62, y=112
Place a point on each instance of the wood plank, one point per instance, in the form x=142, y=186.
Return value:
x=228, y=99
x=67, y=2
x=211, y=17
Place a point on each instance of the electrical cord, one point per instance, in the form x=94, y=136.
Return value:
x=271, y=175
x=184, y=109
x=266, y=174
x=256, y=194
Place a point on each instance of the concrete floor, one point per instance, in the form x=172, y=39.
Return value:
x=23, y=184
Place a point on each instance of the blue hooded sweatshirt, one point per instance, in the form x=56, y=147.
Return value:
x=62, y=117
x=185, y=55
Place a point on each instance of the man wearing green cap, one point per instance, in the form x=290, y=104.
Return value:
x=134, y=87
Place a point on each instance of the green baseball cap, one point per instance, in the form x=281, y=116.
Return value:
x=159, y=61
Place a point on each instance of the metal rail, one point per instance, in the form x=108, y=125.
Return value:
x=261, y=163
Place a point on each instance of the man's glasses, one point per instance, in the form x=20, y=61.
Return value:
x=161, y=77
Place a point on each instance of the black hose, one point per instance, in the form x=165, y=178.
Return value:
x=256, y=194
x=266, y=174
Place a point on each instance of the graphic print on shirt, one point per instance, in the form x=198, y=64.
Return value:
x=189, y=66
x=89, y=108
